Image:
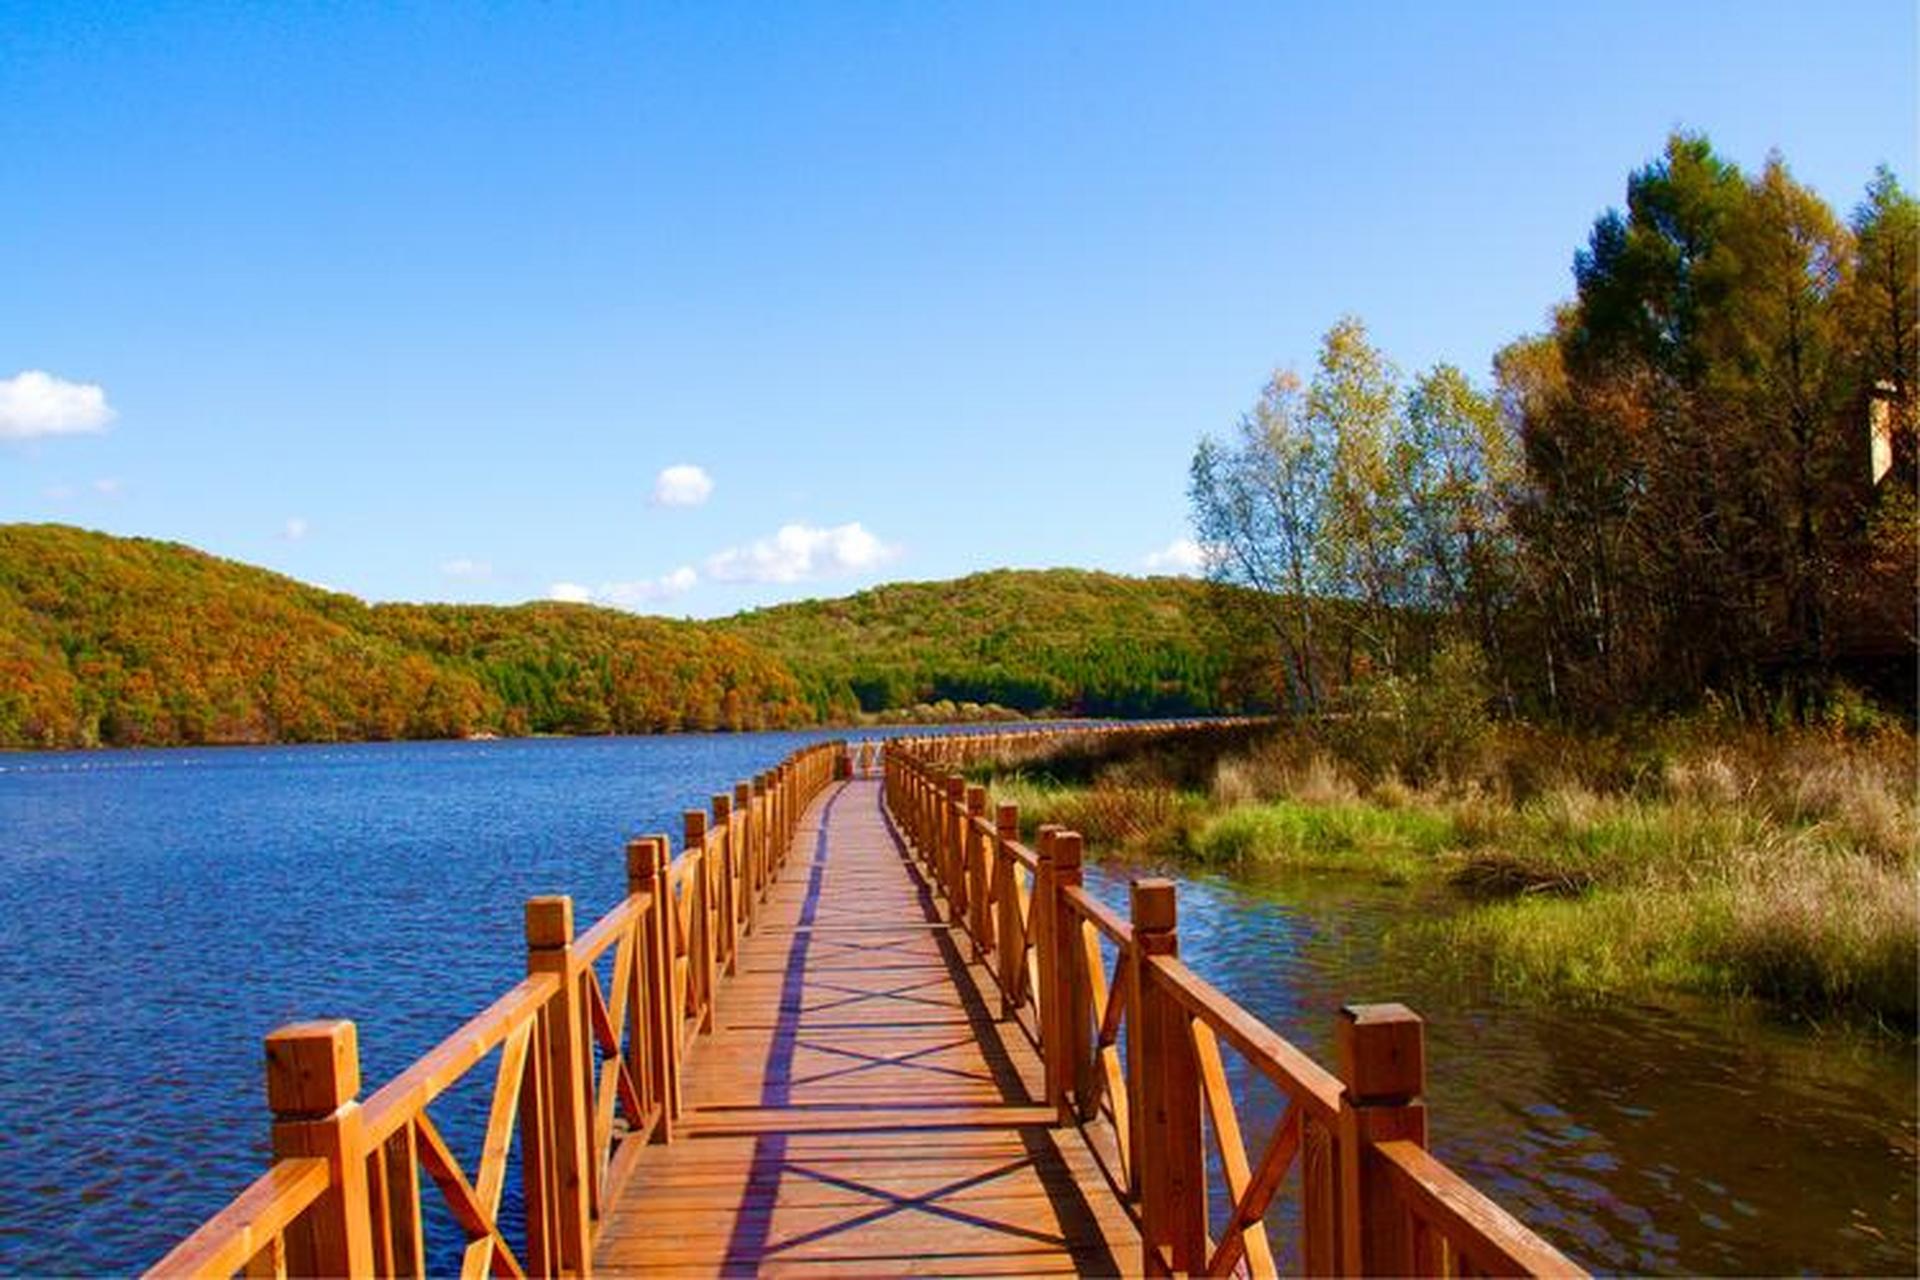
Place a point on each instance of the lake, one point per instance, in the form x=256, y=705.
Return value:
x=170, y=908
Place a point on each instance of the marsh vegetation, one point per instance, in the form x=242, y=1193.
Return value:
x=1697, y=857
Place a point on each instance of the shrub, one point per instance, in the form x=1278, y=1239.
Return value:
x=1151, y=820
x=1425, y=728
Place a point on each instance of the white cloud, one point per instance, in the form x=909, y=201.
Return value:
x=110, y=486
x=800, y=552
x=295, y=528
x=682, y=485
x=34, y=403
x=1182, y=555
x=59, y=492
x=628, y=595
x=461, y=567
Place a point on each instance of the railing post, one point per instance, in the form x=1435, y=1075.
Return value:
x=1320, y=1197
x=784, y=803
x=1383, y=1060
x=549, y=928
x=1073, y=1003
x=1046, y=928
x=727, y=868
x=700, y=957
x=749, y=876
x=313, y=1073
x=974, y=850
x=1173, y=1187
x=647, y=873
x=953, y=830
x=1009, y=932
x=915, y=786
x=770, y=837
x=762, y=868
x=926, y=834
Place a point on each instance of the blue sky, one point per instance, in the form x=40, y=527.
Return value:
x=419, y=302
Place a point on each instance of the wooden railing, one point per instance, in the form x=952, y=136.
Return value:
x=587, y=1052
x=1011, y=746
x=1133, y=1053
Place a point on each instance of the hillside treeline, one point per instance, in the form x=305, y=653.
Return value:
x=1057, y=640
x=126, y=642
x=1698, y=484
x=130, y=642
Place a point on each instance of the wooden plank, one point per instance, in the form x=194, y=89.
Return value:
x=1487, y=1238
x=859, y=1107
x=1304, y=1080
x=409, y=1093
x=251, y=1223
x=486, y=1248
x=1245, y=1232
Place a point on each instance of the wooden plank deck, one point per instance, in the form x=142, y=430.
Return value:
x=859, y=1109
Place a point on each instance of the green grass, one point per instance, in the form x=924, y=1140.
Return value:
x=1348, y=836
x=1837, y=938
x=1781, y=868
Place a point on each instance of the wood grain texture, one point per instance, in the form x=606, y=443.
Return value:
x=861, y=1108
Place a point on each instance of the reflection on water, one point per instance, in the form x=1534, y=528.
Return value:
x=1689, y=1138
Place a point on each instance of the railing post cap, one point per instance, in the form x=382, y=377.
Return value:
x=1066, y=849
x=976, y=799
x=549, y=921
x=696, y=820
x=313, y=1068
x=1006, y=818
x=722, y=807
x=742, y=792
x=956, y=785
x=643, y=863
x=1382, y=1051
x=1155, y=905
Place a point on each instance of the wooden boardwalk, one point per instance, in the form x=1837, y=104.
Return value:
x=859, y=1109
x=857, y=1026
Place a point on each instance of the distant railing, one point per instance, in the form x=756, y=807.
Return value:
x=1134, y=1056
x=588, y=1053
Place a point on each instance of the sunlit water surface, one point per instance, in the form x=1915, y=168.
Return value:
x=1679, y=1139
x=168, y=908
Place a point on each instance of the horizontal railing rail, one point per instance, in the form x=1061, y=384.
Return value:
x=589, y=1051
x=1133, y=1054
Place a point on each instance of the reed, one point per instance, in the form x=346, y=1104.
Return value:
x=1692, y=857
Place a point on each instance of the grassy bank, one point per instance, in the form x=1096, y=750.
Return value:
x=1692, y=858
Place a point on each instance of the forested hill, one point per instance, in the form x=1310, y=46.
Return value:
x=126, y=641
x=1056, y=639
x=122, y=641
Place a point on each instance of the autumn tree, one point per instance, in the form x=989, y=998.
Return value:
x=1694, y=431
x=1260, y=508
x=1359, y=519
x=1460, y=472
x=1354, y=404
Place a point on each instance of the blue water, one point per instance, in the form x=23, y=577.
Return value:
x=1681, y=1138
x=167, y=909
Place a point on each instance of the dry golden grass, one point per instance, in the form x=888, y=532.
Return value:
x=1775, y=865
